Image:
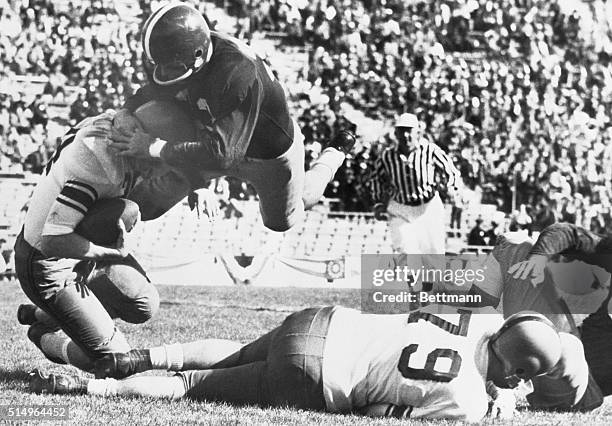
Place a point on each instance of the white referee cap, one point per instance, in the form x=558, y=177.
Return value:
x=407, y=120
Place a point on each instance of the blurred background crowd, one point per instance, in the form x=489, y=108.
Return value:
x=519, y=92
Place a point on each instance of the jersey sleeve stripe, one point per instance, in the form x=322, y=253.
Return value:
x=76, y=194
x=84, y=187
x=72, y=205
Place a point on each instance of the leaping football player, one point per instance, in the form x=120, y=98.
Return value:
x=78, y=285
x=507, y=286
x=417, y=365
x=245, y=128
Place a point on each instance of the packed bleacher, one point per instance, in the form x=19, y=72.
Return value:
x=518, y=91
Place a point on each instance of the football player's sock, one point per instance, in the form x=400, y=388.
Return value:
x=169, y=357
x=58, y=345
x=102, y=387
x=320, y=174
x=330, y=158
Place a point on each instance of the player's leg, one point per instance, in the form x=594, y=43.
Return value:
x=596, y=337
x=198, y=355
x=244, y=384
x=57, y=287
x=144, y=386
x=295, y=361
x=124, y=290
x=28, y=314
x=291, y=374
x=284, y=189
x=324, y=168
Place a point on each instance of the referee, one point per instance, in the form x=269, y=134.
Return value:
x=405, y=182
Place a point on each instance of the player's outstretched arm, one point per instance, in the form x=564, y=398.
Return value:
x=584, y=245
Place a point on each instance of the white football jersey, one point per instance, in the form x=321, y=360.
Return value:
x=82, y=171
x=434, y=364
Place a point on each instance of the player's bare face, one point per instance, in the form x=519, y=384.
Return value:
x=406, y=136
x=501, y=371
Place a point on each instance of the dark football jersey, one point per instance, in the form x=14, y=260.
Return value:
x=240, y=106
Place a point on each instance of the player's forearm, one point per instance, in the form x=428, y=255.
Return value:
x=580, y=243
x=203, y=154
x=74, y=246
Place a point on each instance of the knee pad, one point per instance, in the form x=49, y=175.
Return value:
x=125, y=292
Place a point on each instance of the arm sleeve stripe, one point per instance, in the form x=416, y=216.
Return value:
x=76, y=194
x=71, y=205
x=94, y=193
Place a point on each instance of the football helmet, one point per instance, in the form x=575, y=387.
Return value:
x=526, y=345
x=176, y=41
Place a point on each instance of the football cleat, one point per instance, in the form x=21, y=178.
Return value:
x=26, y=314
x=344, y=141
x=57, y=383
x=120, y=365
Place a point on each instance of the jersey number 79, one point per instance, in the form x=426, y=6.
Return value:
x=428, y=372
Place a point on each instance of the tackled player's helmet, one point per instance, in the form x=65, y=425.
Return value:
x=176, y=40
x=527, y=345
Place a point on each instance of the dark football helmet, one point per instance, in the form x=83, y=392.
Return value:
x=176, y=41
x=527, y=345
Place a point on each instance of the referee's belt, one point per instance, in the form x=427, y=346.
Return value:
x=419, y=202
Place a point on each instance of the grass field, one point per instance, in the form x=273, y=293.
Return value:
x=189, y=313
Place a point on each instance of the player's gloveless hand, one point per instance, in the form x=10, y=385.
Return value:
x=209, y=203
x=125, y=122
x=504, y=405
x=136, y=145
x=531, y=268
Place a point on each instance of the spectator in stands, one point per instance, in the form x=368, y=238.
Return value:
x=476, y=236
x=527, y=79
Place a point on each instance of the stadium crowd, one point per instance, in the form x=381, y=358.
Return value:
x=516, y=90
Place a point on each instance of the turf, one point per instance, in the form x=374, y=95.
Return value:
x=189, y=313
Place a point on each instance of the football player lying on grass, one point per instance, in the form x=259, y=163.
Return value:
x=519, y=275
x=334, y=359
x=71, y=258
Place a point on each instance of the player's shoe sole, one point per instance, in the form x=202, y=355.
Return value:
x=26, y=314
x=343, y=141
x=120, y=365
x=57, y=383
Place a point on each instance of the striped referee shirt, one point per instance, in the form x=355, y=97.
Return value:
x=414, y=178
